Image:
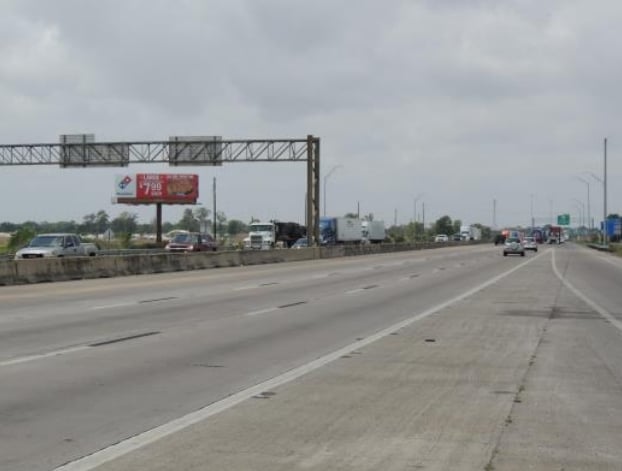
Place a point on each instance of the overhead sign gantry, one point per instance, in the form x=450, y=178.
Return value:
x=82, y=150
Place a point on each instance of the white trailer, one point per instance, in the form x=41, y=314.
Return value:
x=373, y=231
x=470, y=232
x=348, y=230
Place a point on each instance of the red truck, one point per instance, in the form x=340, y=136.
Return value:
x=555, y=235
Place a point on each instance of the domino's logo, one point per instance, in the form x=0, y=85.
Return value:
x=125, y=182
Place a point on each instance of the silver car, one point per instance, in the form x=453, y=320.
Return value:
x=529, y=243
x=513, y=246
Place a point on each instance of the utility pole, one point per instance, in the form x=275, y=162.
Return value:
x=423, y=215
x=395, y=217
x=494, y=213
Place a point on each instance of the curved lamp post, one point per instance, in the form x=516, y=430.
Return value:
x=330, y=172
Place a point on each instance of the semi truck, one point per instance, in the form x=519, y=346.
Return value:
x=340, y=231
x=267, y=235
x=470, y=232
x=373, y=232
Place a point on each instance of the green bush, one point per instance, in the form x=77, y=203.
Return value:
x=20, y=238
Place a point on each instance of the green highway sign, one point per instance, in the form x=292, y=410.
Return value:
x=563, y=219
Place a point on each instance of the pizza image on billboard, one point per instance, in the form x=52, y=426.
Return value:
x=181, y=185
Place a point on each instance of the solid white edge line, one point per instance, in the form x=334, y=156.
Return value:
x=124, y=447
x=602, y=311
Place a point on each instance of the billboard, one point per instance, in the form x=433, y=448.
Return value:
x=150, y=188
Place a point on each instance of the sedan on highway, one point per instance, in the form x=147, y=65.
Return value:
x=529, y=243
x=191, y=242
x=513, y=246
x=301, y=243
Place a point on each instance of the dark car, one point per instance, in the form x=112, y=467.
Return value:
x=192, y=242
x=499, y=239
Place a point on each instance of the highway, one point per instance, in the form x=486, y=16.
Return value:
x=452, y=358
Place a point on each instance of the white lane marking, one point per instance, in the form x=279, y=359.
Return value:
x=353, y=291
x=319, y=276
x=242, y=288
x=261, y=311
x=105, y=455
x=110, y=306
x=602, y=311
x=16, y=361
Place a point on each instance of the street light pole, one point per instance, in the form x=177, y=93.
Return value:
x=604, y=182
x=581, y=207
x=415, y=199
x=589, y=215
x=605, y=194
x=335, y=167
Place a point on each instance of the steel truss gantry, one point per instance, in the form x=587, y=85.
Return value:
x=184, y=152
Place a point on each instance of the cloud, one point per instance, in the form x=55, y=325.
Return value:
x=459, y=99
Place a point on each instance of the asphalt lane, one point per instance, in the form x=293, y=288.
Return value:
x=179, y=343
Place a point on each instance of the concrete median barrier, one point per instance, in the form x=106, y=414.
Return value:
x=63, y=269
x=14, y=272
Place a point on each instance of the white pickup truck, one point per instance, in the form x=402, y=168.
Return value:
x=56, y=245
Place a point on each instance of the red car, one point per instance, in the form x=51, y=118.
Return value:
x=192, y=242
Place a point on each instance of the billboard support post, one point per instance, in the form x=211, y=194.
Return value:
x=159, y=223
x=214, y=205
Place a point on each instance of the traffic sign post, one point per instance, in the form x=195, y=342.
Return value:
x=563, y=219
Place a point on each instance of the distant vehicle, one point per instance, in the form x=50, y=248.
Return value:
x=555, y=235
x=268, y=235
x=373, y=232
x=57, y=245
x=538, y=235
x=191, y=242
x=340, y=231
x=456, y=237
x=529, y=243
x=441, y=238
x=513, y=246
x=470, y=232
x=499, y=239
x=172, y=234
x=301, y=243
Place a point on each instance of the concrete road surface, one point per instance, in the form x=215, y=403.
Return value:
x=457, y=358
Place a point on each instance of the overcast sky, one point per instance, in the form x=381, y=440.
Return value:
x=461, y=102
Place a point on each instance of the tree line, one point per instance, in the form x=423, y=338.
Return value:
x=201, y=220
x=194, y=220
